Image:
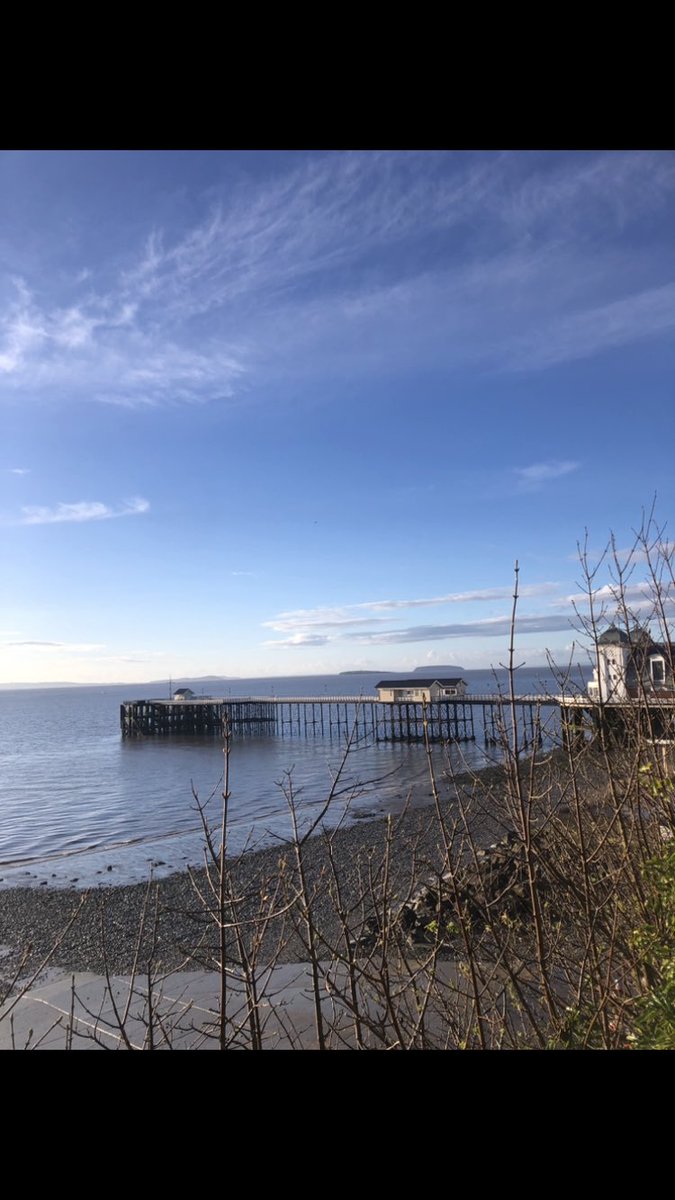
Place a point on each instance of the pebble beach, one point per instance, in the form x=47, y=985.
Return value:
x=105, y=930
x=98, y=929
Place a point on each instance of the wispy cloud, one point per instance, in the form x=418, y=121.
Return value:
x=83, y=510
x=628, y=556
x=18, y=470
x=305, y=618
x=480, y=595
x=106, y=349
x=302, y=639
x=74, y=647
x=523, y=223
x=317, y=217
x=532, y=478
x=490, y=627
x=633, y=596
x=323, y=619
x=33, y=643
x=29, y=329
x=606, y=189
x=466, y=257
x=633, y=318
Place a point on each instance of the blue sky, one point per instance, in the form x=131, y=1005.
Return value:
x=291, y=413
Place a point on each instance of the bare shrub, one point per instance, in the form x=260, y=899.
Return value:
x=529, y=906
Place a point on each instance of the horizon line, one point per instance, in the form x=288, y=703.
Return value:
x=46, y=683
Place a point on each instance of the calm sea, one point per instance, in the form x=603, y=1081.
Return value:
x=78, y=804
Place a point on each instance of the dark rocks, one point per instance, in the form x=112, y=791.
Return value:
x=493, y=886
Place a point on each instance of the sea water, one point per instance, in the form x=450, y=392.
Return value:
x=80, y=804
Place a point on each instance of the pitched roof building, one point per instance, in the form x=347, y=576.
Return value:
x=419, y=689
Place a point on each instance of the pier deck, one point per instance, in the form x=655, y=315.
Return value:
x=327, y=716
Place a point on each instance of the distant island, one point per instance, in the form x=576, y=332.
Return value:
x=436, y=670
x=369, y=672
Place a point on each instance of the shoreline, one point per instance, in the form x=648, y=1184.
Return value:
x=106, y=930
x=37, y=916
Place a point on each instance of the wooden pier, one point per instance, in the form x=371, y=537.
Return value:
x=145, y=718
x=333, y=716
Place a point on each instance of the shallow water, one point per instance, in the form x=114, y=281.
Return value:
x=80, y=803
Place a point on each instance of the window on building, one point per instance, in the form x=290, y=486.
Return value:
x=658, y=670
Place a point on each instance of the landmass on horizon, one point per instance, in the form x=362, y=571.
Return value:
x=400, y=674
x=189, y=679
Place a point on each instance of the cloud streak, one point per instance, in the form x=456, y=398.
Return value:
x=633, y=318
x=534, y=477
x=83, y=510
x=632, y=597
x=74, y=647
x=490, y=627
x=305, y=618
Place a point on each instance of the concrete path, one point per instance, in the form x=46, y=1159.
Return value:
x=83, y=1012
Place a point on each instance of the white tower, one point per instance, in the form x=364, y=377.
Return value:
x=609, y=676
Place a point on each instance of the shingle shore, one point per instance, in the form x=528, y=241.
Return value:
x=107, y=924
x=111, y=915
